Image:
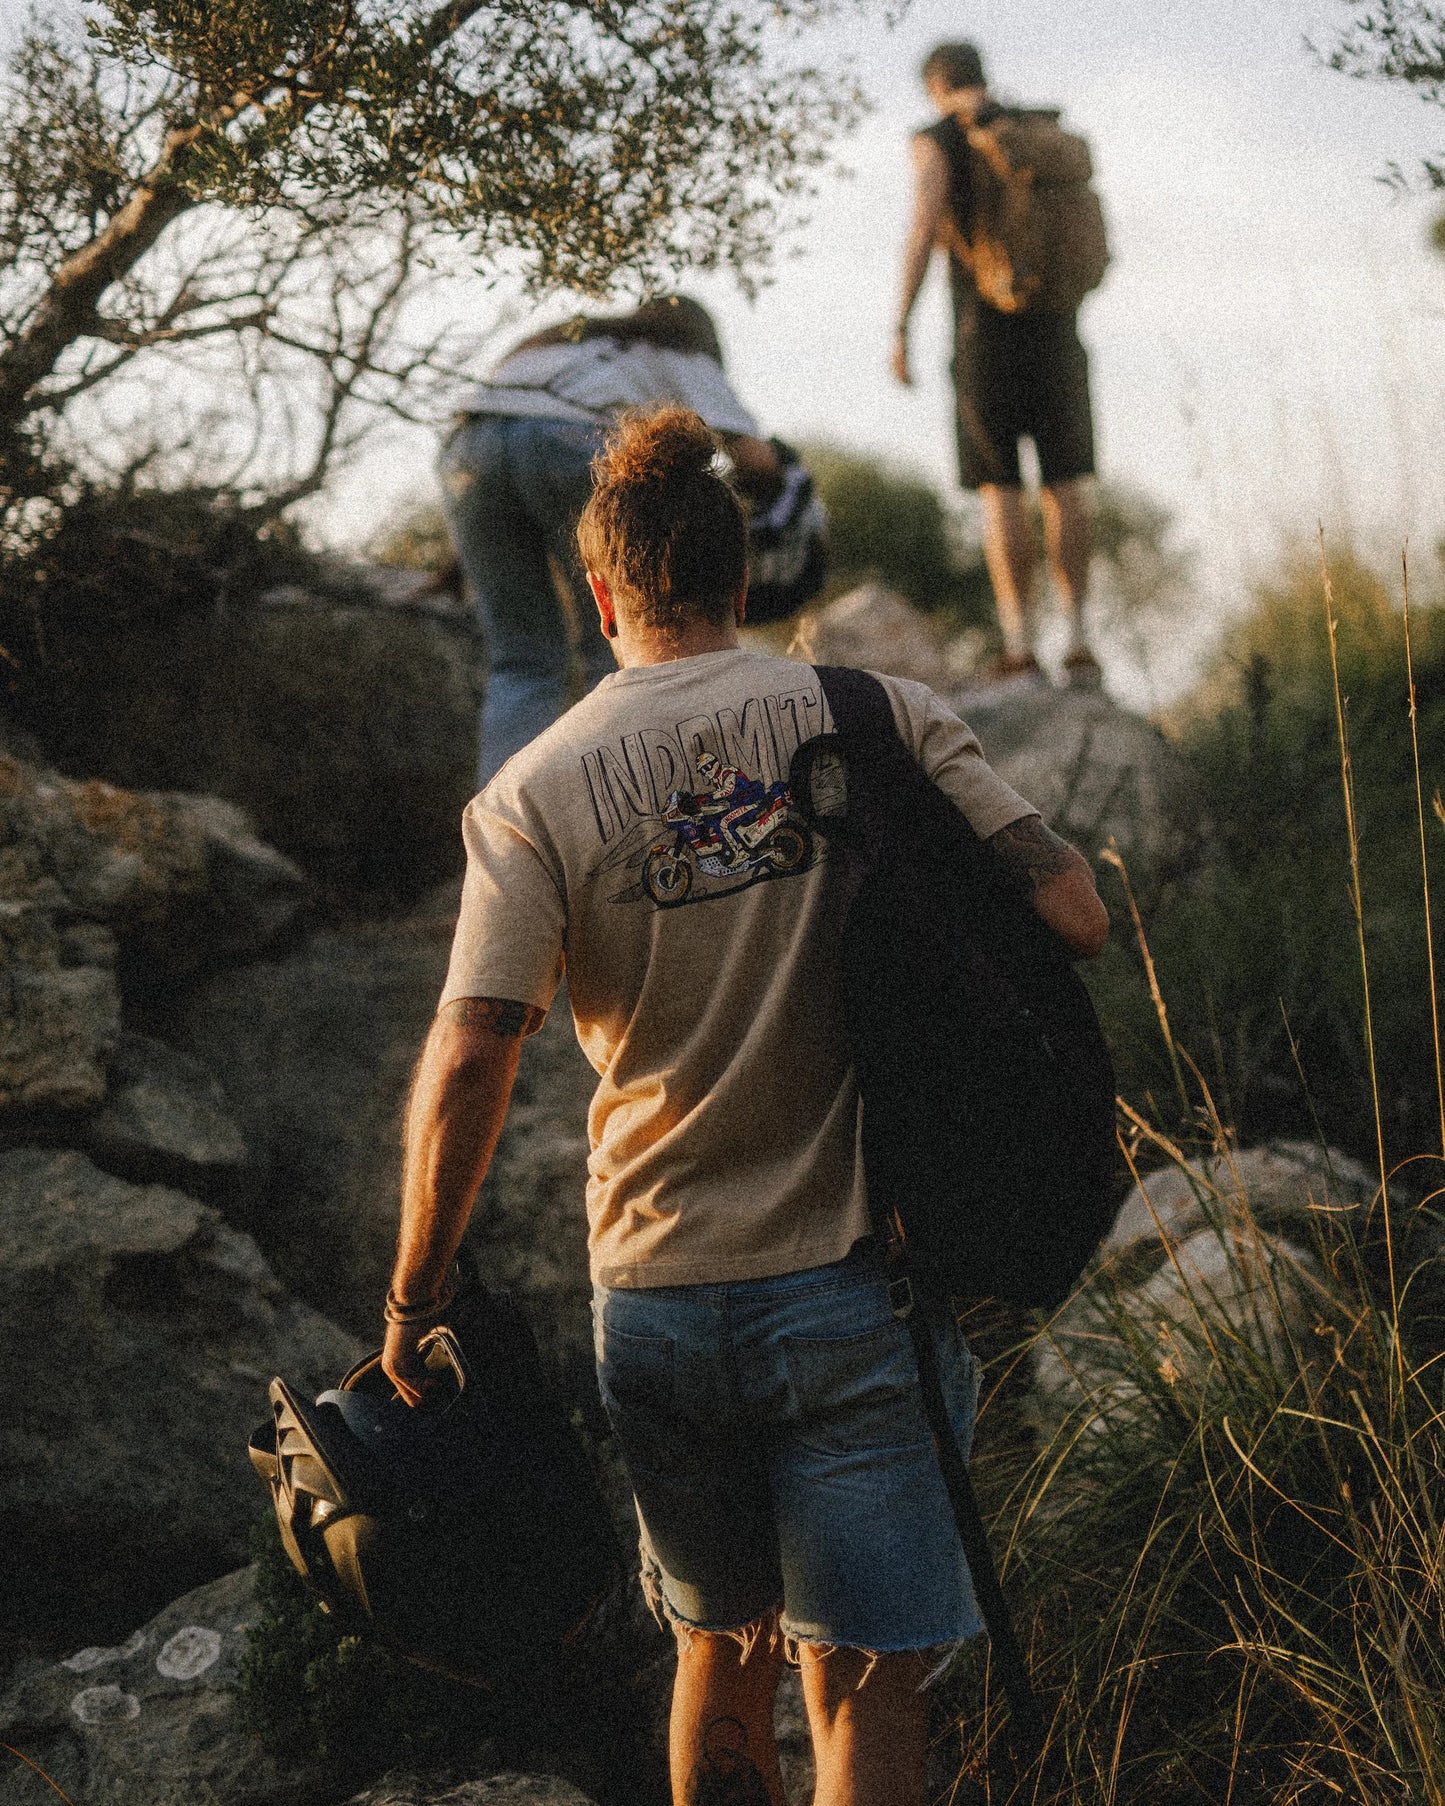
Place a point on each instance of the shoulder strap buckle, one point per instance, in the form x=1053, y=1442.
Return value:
x=900, y=1297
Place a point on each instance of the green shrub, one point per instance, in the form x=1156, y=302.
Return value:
x=314, y=1695
x=1259, y=949
x=891, y=527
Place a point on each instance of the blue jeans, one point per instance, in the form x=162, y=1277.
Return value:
x=513, y=490
x=775, y=1437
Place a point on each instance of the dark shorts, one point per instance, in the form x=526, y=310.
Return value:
x=1021, y=376
x=775, y=1437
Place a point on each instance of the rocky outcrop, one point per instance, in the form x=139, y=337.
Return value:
x=164, y=1118
x=342, y=716
x=1097, y=772
x=146, y=1330
x=92, y=877
x=151, y=1721
x=873, y=628
x=315, y=1051
x=1221, y=1247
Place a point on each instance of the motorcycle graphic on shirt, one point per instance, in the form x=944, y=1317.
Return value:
x=734, y=832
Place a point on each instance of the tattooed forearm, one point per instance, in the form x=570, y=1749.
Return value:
x=507, y=1019
x=1029, y=853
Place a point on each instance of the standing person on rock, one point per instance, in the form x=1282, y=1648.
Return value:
x=1016, y=374
x=765, y=1398
x=515, y=473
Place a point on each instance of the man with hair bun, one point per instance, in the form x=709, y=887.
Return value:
x=765, y=1399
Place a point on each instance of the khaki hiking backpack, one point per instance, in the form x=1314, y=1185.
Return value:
x=1038, y=243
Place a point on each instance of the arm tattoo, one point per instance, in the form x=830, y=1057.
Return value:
x=726, y=1774
x=1029, y=854
x=508, y=1020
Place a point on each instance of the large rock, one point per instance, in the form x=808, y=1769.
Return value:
x=139, y=1332
x=91, y=876
x=59, y=1010
x=151, y=1721
x=875, y=629
x=315, y=1052
x=1279, y=1184
x=164, y=1118
x=1202, y=1262
x=341, y=716
x=190, y=866
x=1097, y=772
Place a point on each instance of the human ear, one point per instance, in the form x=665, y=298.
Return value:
x=602, y=596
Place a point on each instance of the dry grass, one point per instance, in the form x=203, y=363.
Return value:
x=1227, y=1541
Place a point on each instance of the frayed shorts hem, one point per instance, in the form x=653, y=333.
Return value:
x=767, y=1625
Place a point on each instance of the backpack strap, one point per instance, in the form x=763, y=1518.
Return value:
x=864, y=722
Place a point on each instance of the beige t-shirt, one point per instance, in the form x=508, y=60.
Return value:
x=647, y=845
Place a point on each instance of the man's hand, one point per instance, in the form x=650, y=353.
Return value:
x=1055, y=880
x=898, y=363
x=401, y=1363
x=459, y=1099
x=925, y=233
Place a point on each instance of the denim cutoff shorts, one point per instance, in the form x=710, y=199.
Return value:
x=775, y=1436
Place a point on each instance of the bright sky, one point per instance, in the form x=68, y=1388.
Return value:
x=1267, y=349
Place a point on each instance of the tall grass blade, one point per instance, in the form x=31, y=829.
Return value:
x=1357, y=899
x=1424, y=858
x=11, y=1750
x=1112, y=856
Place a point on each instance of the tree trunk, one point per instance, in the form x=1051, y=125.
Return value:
x=71, y=307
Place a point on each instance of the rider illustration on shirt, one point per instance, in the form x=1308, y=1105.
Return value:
x=736, y=829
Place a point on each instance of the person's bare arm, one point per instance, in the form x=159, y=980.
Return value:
x=755, y=465
x=1056, y=881
x=459, y=1097
x=930, y=216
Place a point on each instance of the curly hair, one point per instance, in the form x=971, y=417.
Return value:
x=663, y=524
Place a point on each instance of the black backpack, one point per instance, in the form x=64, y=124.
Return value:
x=988, y=1091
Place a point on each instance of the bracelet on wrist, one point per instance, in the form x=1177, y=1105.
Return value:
x=416, y=1311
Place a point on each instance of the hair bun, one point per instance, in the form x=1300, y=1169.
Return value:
x=658, y=446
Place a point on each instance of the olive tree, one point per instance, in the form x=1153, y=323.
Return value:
x=1399, y=41
x=259, y=187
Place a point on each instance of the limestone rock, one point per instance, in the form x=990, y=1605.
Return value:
x=146, y=1330
x=87, y=870
x=1280, y=1182
x=99, y=853
x=876, y=629
x=315, y=1052
x=164, y=1118
x=249, y=896
x=1095, y=771
x=59, y=1010
x=152, y=1721
x=495, y=1790
x=1242, y=1284
x=1222, y=1247
x=341, y=716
